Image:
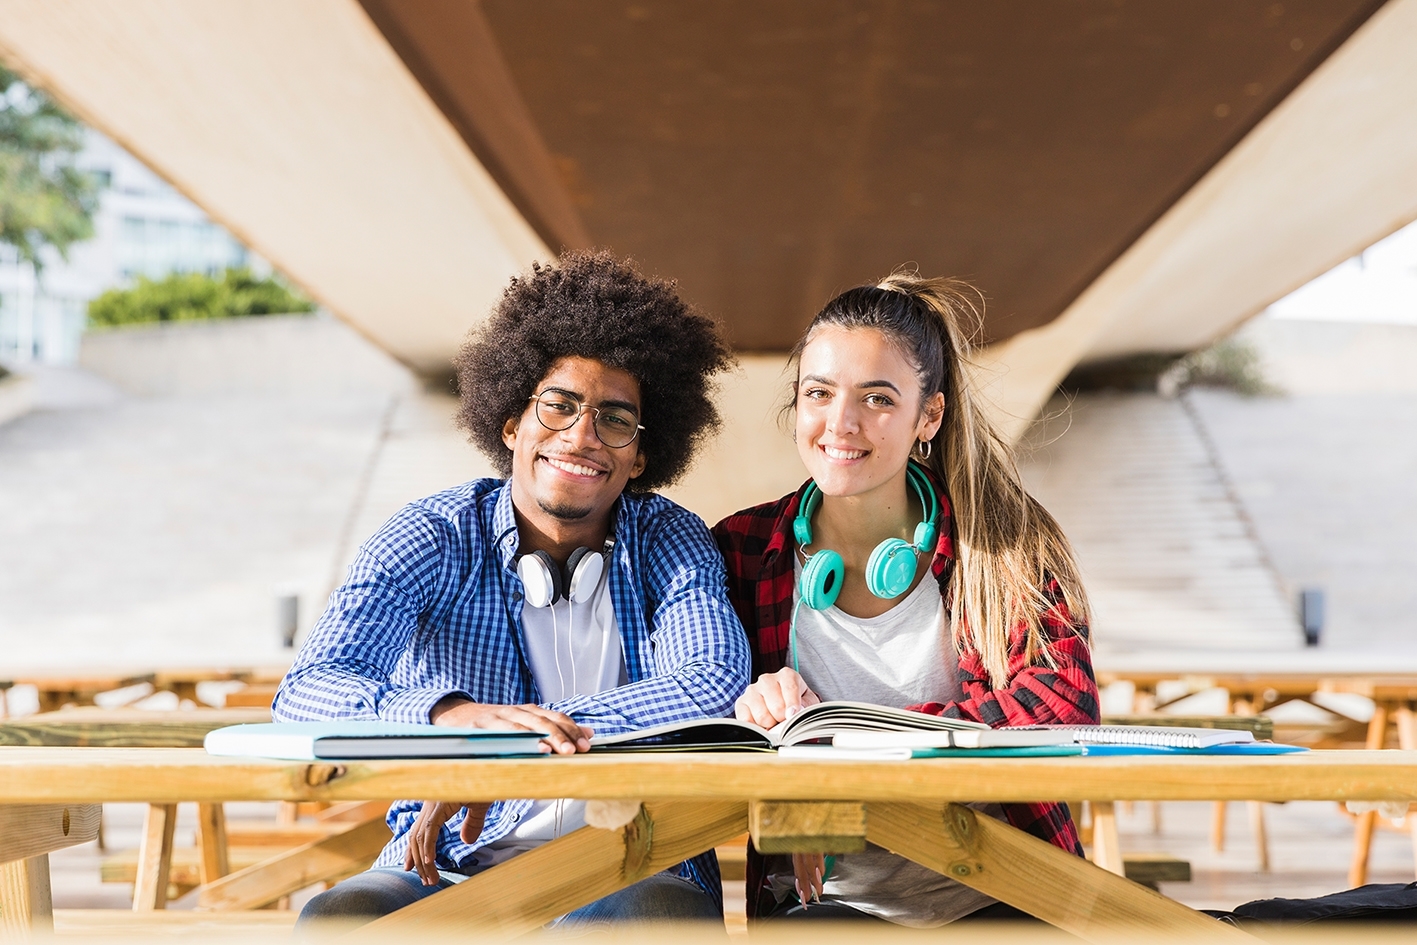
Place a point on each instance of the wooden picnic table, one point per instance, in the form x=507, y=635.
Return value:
x=93, y=727
x=653, y=810
x=1255, y=682
x=356, y=832
x=79, y=687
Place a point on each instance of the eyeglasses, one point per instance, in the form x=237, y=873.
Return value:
x=560, y=410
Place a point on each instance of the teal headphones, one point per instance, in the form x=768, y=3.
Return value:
x=892, y=564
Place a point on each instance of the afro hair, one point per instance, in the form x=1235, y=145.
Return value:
x=591, y=305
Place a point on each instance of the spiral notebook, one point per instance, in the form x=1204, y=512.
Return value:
x=1155, y=736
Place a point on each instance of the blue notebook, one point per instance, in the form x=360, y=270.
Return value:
x=351, y=741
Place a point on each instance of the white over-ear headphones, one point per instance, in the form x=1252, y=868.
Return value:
x=546, y=583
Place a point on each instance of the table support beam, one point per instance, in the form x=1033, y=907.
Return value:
x=570, y=872
x=25, y=904
x=807, y=826
x=1035, y=876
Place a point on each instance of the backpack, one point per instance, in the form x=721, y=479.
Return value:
x=1374, y=903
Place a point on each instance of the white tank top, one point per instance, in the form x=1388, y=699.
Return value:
x=902, y=657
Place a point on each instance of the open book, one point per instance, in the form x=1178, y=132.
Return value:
x=821, y=724
x=336, y=740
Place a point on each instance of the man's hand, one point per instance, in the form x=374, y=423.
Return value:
x=564, y=736
x=774, y=698
x=422, y=852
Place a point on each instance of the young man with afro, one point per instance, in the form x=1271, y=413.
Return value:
x=566, y=598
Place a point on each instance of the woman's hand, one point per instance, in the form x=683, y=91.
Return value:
x=807, y=869
x=422, y=852
x=774, y=698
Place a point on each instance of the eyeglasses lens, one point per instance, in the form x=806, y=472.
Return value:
x=615, y=426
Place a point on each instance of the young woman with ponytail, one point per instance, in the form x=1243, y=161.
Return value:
x=912, y=570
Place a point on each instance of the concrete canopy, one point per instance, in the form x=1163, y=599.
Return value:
x=766, y=155
x=1081, y=162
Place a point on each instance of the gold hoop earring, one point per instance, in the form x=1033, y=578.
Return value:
x=925, y=447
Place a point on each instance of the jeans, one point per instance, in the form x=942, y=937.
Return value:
x=377, y=892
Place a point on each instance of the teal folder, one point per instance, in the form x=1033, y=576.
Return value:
x=1241, y=748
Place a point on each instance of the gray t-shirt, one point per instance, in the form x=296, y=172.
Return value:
x=903, y=657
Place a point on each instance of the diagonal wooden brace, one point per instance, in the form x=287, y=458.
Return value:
x=325, y=860
x=1035, y=876
x=569, y=872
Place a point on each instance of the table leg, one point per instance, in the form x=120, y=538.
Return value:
x=1407, y=741
x=530, y=890
x=155, y=858
x=1363, y=829
x=1106, y=844
x=1217, y=826
x=1035, y=876
x=211, y=840
x=25, y=904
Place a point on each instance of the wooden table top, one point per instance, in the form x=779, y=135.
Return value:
x=89, y=775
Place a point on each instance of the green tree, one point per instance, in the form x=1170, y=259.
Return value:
x=186, y=296
x=44, y=199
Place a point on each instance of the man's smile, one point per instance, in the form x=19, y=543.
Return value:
x=575, y=466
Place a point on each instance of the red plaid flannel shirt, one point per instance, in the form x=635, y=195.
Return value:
x=757, y=546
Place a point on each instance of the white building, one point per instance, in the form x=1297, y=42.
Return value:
x=143, y=228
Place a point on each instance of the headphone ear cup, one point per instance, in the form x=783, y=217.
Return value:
x=822, y=577
x=584, y=568
x=891, y=568
x=541, y=579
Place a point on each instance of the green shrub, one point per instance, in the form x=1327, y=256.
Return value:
x=188, y=296
x=1231, y=363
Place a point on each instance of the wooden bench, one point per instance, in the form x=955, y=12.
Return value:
x=343, y=840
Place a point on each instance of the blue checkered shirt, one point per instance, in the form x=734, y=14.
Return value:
x=432, y=605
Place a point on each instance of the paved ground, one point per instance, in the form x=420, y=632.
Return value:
x=1199, y=519
x=140, y=530
x=1330, y=482
x=1168, y=556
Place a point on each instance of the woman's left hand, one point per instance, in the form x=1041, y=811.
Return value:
x=807, y=869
